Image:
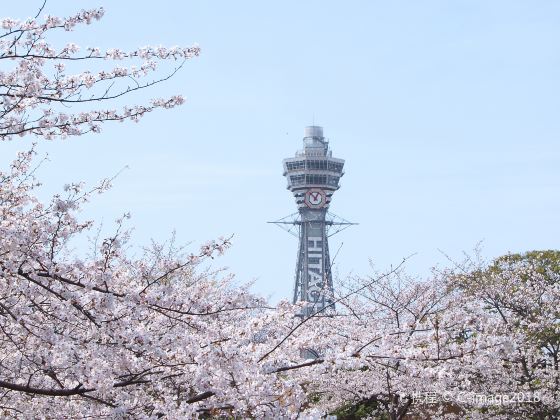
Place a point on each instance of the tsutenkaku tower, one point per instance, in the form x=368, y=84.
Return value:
x=313, y=176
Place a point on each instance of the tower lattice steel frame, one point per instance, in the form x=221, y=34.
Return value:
x=313, y=176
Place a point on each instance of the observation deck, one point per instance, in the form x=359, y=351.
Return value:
x=313, y=167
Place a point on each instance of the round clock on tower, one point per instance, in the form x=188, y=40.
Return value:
x=315, y=198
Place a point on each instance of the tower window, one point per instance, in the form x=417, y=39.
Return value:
x=295, y=166
x=333, y=180
x=316, y=164
x=335, y=166
x=315, y=179
x=297, y=179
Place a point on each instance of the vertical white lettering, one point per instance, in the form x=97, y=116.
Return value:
x=314, y=268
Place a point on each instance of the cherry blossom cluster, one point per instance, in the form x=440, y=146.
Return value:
x=36, y=87
x=50, y=22
x=110, y=334
x=490, y=330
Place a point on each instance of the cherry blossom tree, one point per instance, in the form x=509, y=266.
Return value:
x=520, y=295
x=479, y=341
x=110, y=335
x=393, y=340
x=36, y=86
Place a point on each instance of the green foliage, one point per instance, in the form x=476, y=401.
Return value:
x=523, y=266
x=359, y=410
x=522, y=290
x=546, y=263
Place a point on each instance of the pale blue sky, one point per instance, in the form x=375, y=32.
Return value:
x=445, y=111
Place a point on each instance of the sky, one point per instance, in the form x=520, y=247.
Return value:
x=446, y=113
